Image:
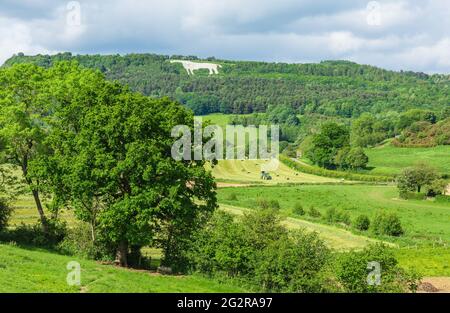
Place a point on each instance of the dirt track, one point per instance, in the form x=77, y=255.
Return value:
x=435, y=284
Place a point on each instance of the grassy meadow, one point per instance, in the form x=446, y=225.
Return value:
x=249, y=171
x=389, y=160
x=424, y=221
x=35, y=270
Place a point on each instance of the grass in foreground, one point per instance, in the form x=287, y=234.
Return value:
x=24, y=270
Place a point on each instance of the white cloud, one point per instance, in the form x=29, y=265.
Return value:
x=412, y=34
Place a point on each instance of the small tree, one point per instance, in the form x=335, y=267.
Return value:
x=5, y=213
x=362, y=222
x=354, y=268
x=414, y=178
x=388, y=224
x=22, y=129
x=357, y=159
x=436, y=187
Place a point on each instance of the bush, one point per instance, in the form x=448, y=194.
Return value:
x=337, y=216
x=443, y=199
x=5, y=213
x=408, y=195
x=268, y=204
x=78, y=241
x=275, y=205
x=315, y=170
x=374, y=269
x=262, y=203
x=292, y=264
x=436, y=187
x=232, y=197
x=259, y=251
x=298, y=210
x=34, y=235
x=313, y=212
x=362, y=222
x=386, y=223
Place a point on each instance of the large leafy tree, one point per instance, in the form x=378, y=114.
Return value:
x=22, y=130
x=112, y=157
x=325, y=145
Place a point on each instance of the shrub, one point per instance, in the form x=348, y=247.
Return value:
x=343, y=217
x=34, y=235
x=386, y=223
x=232, y=197
x=5, y=213
x=362, y=222
x=259, y=251
x=268, y=204
x=262, y=203
x=313, y=212
x=298, y=210
x=78, y=241
x=436, y=187
x=274, y=204
x=337, y=216
x=315, y=170
x=292, y=264
x=357, y=271
x=407, y=195
x=443, y=199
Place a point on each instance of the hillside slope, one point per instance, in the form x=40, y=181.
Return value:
x=23, y=270
x=335, y=88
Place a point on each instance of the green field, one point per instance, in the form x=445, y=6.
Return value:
x=389, y=160
x=336, y=238
x=219, y=119
x=424, y=221
x=249, y=171
x=428, y=261
x=32, y=270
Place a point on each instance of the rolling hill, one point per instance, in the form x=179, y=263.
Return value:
x=333, y=88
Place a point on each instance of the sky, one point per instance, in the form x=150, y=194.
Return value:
x=399, y=35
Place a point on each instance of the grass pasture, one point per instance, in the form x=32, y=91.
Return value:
x=389, y=160
x=34, y=270
x=336, y=238
x=429, y=261
x=424, y=221
x=249, y=171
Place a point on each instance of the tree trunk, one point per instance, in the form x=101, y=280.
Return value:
x=35, y=192
x=121, y=253
x=418, y=188
x=40, y=210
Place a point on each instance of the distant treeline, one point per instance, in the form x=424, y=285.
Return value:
x=331, y=88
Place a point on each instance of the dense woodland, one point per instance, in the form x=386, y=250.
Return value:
x=332, y=88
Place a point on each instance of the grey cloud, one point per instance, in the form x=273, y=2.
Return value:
x=412, y=35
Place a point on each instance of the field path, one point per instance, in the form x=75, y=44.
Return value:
x=441, y=284
x=336, y=238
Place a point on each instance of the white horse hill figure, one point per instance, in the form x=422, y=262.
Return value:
x=190, y=66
